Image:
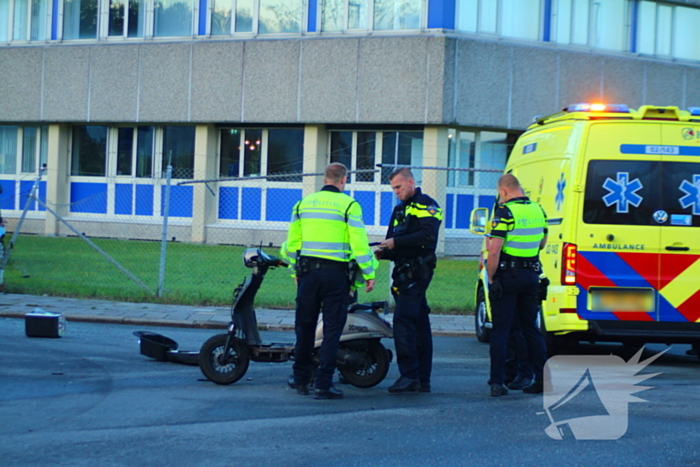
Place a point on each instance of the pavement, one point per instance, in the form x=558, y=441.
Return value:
x=155, y=314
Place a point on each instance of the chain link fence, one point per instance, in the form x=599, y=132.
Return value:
x=179, y=238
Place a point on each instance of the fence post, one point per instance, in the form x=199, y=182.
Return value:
x=164, y=235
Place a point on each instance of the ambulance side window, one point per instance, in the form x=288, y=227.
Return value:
x=622, y=192
x=680, y=191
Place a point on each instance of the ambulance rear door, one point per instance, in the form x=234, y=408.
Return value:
x=618, y=238
x=679, y=287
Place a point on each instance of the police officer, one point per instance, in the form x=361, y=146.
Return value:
x=518, y=233
x=325, y=233
x=410, y=243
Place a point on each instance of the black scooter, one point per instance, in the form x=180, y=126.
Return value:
x=362, y=359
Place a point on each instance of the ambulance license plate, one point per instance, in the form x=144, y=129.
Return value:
x=621, y=299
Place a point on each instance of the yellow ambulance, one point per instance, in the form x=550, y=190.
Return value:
x=621, y=189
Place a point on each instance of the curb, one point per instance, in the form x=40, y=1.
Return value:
x=194, y=324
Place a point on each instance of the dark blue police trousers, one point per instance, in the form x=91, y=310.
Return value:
x=519, y=301
x=326, y=291
x=412, y=335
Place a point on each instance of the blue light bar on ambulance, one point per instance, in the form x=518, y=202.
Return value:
x=615, y=108
x=694, y=111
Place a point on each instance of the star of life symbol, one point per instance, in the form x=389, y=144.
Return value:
x=622, y=192
x=692, y=194
x=559, y=199
x=587, y=395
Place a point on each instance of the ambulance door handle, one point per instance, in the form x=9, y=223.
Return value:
x=677, y=248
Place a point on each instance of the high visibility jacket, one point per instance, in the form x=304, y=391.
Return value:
x=328, y=225
x=522, y=224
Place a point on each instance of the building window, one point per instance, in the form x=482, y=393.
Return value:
x=127, y=18
x=135, y=151
x=401, y=148
x=344, y=15
x=178, y=150
x=485, y=152
x=263, y=152
x=461, y=155
x=231, y=16
x=594, y=23
x=89, y=154
x=285, y=153
x=511, y=18
x=101, y=19
x=34, y=147
x=80, y=19
x=667, y=30
x=340, y=15
x=279, y=16
x=252, y=149
x=356, y=150
x=173, y=18
x=24, y=20
x=397, y=14
x=8, y=148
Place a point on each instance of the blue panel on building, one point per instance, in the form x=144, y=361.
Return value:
x=280, y=202
x=366, y=200
x=386, y=207
x=144, y=200
x=313, y=9
x=228, y=202
x=42, y=195
x=465, y=204
x=251, y=204
x=88, y=197
x=180, y=201
x=441, y=14
x=123, y=198
x=486, y=201
x=447, y=213
x=203, y=17
x=25, y=188
x=7, y=198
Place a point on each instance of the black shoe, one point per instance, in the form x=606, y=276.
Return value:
x=536, y=387
x=302, y=389
x=498, y=390
x=330, y=393
x=404, y=384
x=424, y=387
x=519, y=383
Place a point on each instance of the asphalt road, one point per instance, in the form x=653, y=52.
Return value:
x=89, y=398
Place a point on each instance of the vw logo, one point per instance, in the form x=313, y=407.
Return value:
x=660, y=217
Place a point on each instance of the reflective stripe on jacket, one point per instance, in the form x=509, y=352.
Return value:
x=525, y=230
x=328, y=225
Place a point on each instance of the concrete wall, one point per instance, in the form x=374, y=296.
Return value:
x=417, y=79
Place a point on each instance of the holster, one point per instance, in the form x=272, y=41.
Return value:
x=303, y=266
x=352, y=271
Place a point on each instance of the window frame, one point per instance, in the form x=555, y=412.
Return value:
x=10, y=38
x=102, y=20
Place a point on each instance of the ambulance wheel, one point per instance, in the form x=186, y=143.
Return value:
x=480, y=318
x=220, y=368
x=373, y=368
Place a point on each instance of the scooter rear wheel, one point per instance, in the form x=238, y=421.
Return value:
x=219, y=368
x=374, y=368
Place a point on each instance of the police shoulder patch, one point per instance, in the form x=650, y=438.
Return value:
x=495, y=222
x=432, y=210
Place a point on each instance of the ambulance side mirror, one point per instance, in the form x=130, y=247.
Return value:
x=477, y=225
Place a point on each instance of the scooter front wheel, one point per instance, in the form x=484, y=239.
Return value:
x=373, y=368
x=220, y=368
